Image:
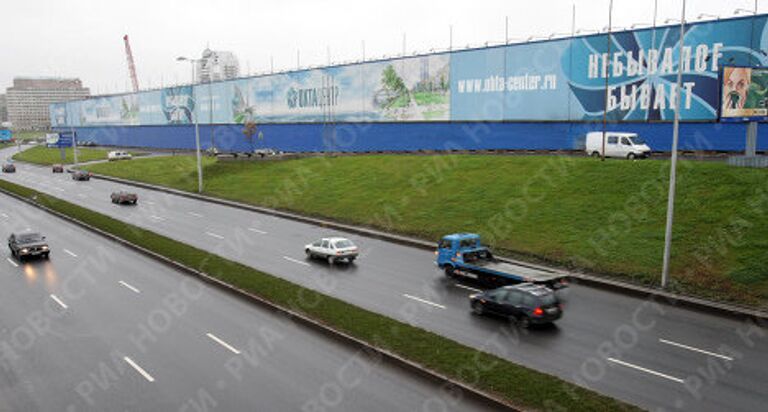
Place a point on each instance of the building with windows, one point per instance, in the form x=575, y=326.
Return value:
x=217, y=65
x=28, y=100
x=3, y=109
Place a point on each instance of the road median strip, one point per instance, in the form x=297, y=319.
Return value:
x=476, y=373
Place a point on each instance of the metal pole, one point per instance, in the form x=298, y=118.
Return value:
x=673, y=166
x=197, y=138
x=403, y=44
x=363, y=50
x=450, y=37
x=506, y=29
x=74, y=144
x=607, y=66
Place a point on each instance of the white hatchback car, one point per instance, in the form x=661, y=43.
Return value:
x=333, y=249
x=118, y=155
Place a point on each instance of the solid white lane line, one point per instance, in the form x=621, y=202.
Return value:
x=195, y=214
x=138, y=368
x=261, y=232
x=67, y=251
x=56, y=298
x=467, y=287
x=424, y=301
x=12, y=262
x=691, y=348
x=646, y=370
x=211, y=234
x=148, y=202
x=129, y=286
x=290, y=259
x=158, y=218
x=222, y=343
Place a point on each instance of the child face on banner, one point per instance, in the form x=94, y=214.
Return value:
x=736, y=86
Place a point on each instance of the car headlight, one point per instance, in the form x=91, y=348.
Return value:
x=44, y=248
x=24, y=250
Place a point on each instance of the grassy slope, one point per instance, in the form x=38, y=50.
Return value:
x=605, y=217
x=519, y=385
x=47, y=156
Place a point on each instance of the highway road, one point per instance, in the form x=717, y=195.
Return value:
x=652, y=354
x=100, y=327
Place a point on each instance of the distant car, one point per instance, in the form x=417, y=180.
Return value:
x=123, y=197
x=25, y=245
x=58, y=169
x=524, y=304
x=265, y=152
x=332, y=249
x=118, y=155
x=81, y=175
x=9, y=168
x=87, y=143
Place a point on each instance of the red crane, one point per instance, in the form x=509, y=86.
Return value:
x=131, y=66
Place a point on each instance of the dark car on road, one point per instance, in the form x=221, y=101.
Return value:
x=57, y=168
x=24, y=245
x=525, y=304
x=123, y=197
x=9, y=168
x=81, y=175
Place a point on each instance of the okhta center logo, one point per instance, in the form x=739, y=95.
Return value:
x=312, y=97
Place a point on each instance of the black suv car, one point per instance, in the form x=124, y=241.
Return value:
x=24, y=245
x=524, y=304
x=9, y=168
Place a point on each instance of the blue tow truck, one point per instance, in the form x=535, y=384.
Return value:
x=463, y=255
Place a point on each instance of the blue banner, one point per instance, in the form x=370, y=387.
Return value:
x=632, y=74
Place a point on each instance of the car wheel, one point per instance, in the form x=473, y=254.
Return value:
x=350, y=260
x=449, y=271
x=595, y=155
x=134, y=202
x=309, y=254
x=477, y=308
x=47, y=255
x=331, y=260
x=631, y=156
x=524, y=322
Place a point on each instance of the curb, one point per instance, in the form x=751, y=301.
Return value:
x=722, y=309
x=326, y=330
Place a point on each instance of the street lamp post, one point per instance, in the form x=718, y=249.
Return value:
x=197, y=127
x=673, y=165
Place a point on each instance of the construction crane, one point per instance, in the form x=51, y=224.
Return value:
x=131, y=66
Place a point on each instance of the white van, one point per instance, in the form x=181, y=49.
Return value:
x=118, y=155
x=617, y=144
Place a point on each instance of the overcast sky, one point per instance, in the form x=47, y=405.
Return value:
x=83, y=38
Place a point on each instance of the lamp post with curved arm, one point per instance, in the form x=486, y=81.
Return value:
x=197, y=127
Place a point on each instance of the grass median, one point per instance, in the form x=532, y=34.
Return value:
x=519, y=385
x=603, y=217
x=43, y=155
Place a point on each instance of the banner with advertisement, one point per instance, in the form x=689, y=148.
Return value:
x=744, y=94
x=628, y=76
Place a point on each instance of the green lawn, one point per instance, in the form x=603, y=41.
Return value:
x=521, y=386
x=47, y=156
x=604, y=217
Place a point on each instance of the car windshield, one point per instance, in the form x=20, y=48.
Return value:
x=637, y=140
x=343, y=244
x=29, y=238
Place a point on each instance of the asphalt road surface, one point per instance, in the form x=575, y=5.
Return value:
x=652, y=354
x=99, y=327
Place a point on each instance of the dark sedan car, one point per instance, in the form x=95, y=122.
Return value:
x=81, y=175
x=24, y=245
x=123, y=197
x=58, y=169
x=525, y=304
x=9, y=168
